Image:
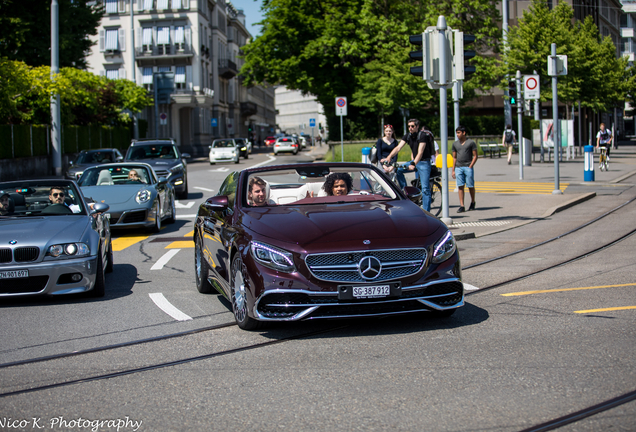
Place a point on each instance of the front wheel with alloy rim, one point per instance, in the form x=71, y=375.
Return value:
x=201, y=269
x=239, y=296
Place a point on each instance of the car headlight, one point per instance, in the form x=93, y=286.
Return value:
x=143, y=196
x=176, y=169
x=444, y=248
x=272, y=257
x=70, y=249
x=244, y=148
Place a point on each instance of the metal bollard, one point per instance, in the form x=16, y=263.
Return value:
x=366, y=152
x=588, y=173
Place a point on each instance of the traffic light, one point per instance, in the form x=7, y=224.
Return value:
x=421, y=40
x=460, y=55
x=512, y=92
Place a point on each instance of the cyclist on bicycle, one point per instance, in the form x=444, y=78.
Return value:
x=604, y=137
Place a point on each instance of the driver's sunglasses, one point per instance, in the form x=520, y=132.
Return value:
x=412, y=126
x=55, y=195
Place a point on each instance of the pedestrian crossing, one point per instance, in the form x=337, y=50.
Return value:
x=518, y=187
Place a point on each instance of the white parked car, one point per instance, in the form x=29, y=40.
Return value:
x=286, y=145
x=303, y=141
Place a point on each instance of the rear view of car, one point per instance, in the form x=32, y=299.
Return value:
x=269, y=141
x=286, y=145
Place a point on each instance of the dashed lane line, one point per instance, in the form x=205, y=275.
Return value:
x=203, y=189
x=468, y=287
x=168, y=308
x=164, y=259
x=605, y=309
x=521, y=293
x=121, y=243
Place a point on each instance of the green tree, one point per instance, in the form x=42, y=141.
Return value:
x=595, y=76
x=25, y=30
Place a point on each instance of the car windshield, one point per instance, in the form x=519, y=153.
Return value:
x=39, y=198
x=316, y=185
x=156, y=151
x=94, y=157
x=223, y=143
x=115, y=175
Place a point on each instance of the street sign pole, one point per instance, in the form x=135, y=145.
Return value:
x=341, y=141
x=341, y=110
x=555, y=121
x=443, y=116
x=520, y=124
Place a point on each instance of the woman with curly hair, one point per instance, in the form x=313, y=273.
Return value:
x=338, y=184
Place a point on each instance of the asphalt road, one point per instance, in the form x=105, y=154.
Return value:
x=515, y=356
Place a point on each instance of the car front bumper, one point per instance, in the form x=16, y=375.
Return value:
x=51, y=278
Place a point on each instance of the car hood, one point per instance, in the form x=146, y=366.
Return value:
x=43, y=229
x=384, y=222
x=158, y=164
x=223, y=150
x=116, y=194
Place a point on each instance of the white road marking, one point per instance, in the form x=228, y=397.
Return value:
x=164, y=259
x=190, y=216
x=222, y=169
x=470, y=287
x=177, y=204
x=168, y=308
x=271, y=158
x=203, y=189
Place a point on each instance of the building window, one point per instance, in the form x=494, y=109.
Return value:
x=163, y=40
x=176, y=4
x=112, y=74
x=179, y=37
x=162, y=4
x=122, y=6
x=147, y=78
x=147, y=39
x=148, y=4
x=180, y=77
x=111, y=6
x=163, y=69
x=111, y=39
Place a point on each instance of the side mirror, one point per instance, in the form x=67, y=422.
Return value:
x=70, y=163
x=119, y=158
x=216, y=203
x=162, y=180
x=414, y=194
x=185, y=155
x=100, y=208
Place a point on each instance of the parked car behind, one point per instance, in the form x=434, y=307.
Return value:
x=89, y=158
x=165, y=158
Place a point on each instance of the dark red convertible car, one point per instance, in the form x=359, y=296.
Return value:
x=309, y=241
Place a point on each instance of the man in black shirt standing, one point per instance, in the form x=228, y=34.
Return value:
x=422, y=149
x=464, y=159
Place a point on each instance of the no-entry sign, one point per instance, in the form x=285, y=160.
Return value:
x=341, y=106
x=531, y=88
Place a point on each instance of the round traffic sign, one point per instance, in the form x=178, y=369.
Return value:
x=341, y=102
x=163, y=116
x=531, y=83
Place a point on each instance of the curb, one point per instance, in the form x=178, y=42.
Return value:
x=568, y=204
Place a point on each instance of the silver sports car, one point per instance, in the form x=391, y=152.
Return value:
x=51, y=240
x=136, y=196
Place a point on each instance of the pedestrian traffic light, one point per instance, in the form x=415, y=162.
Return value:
x=460, y=55
x=512, y=92
x=420, y=55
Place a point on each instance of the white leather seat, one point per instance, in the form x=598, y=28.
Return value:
x=104, y=178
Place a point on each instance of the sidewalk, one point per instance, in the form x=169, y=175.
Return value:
x=503, y=201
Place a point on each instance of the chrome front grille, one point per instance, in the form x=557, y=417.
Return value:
x=344, y=266
x=162, y=173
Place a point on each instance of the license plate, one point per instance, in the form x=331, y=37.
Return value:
x=352, y=292
x=14, y=274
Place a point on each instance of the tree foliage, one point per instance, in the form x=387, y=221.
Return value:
x=359, y=49
x=25, y=30
x=25, y=95
x=595, y=76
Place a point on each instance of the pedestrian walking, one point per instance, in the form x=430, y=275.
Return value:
x=508, y=140
x=421, y=144
x=464, y=159
x=383, y=148
x=604, y=138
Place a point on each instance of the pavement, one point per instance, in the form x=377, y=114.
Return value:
x=505, y=201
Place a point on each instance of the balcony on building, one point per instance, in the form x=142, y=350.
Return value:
x=248, y=109
x=227, y=68
x=154, y=52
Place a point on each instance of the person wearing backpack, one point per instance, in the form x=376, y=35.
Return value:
x=604, y=138
x=508, y=140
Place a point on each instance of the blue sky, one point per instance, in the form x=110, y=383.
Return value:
x=252, y=10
